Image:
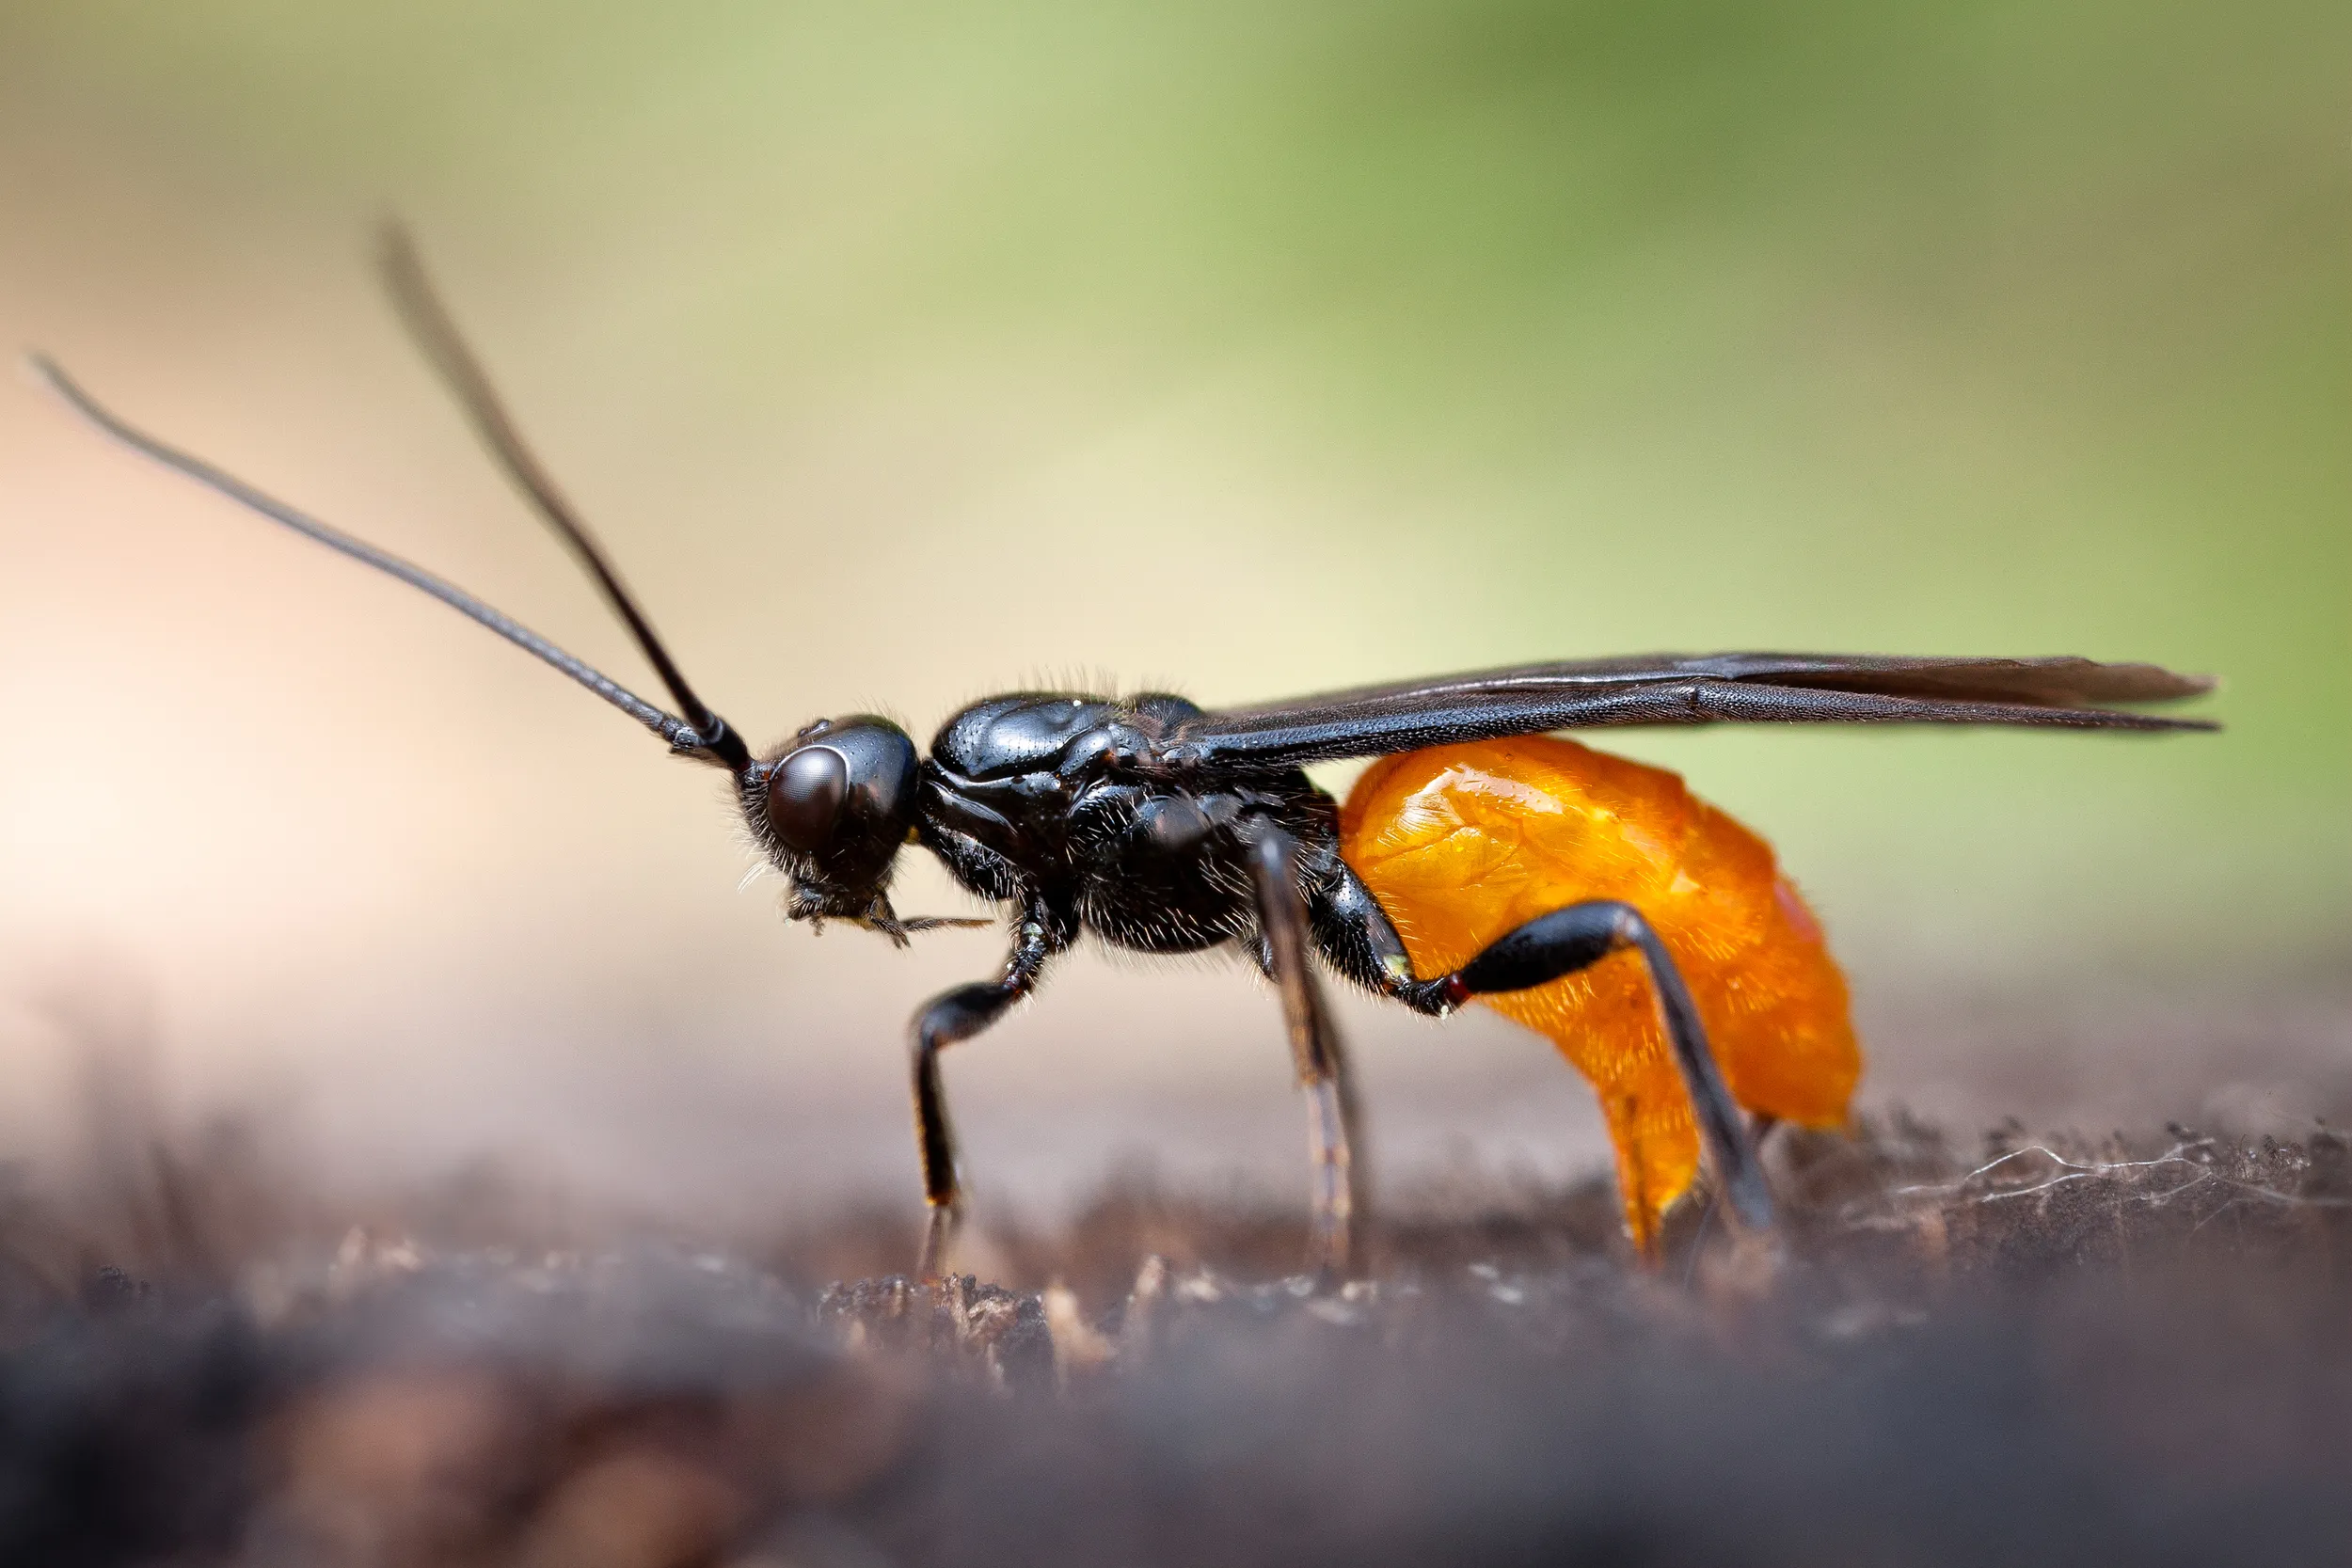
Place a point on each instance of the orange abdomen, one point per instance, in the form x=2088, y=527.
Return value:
x=1461, y=844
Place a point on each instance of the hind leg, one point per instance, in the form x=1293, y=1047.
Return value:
x=1359, y=940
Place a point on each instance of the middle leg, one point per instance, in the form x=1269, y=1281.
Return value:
x=1317, y=1052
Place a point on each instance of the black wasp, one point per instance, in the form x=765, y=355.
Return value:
x=1159, y=826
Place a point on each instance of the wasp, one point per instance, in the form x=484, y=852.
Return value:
x=1649, y=935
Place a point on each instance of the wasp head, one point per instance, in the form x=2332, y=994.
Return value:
x=832, y=807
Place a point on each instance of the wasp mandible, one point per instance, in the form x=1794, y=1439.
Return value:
x=1594, y=898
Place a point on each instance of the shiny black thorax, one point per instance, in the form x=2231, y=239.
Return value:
x=1067, y=805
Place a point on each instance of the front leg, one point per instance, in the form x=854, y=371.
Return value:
x=953, y=1016
x=1316, y=1052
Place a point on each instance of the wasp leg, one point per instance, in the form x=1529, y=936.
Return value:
x=1361, y=942
x=1568, y=940
x=1321, y=1060
x=947, y=1019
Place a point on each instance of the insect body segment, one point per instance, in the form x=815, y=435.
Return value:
x=1462, y=844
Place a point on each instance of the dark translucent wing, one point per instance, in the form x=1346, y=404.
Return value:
x=1668, y=689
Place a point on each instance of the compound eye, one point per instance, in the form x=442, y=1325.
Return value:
x=805, y=796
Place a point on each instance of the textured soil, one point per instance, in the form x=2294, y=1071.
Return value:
x=2014, y=1351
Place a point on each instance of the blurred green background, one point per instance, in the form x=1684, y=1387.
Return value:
x=905, y=352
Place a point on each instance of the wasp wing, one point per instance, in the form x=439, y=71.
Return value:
x=1677, y=688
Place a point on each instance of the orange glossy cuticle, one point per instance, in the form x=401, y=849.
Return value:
x=1462, y=844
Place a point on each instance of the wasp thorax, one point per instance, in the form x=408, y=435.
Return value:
x=833, y=805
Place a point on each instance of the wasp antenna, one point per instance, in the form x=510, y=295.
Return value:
x=682, y=737
x=434, y=330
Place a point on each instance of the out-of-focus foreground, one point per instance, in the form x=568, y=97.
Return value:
x=906, y=354
x=2025, y=1353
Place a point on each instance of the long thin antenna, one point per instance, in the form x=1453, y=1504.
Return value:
x=435, y=331
x=682, y=737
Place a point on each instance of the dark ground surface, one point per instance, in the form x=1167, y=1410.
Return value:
x=2014, y=1351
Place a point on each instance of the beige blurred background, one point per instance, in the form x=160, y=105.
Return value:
x=905, y=353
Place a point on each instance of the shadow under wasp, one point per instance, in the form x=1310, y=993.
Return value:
x=1594, y=898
